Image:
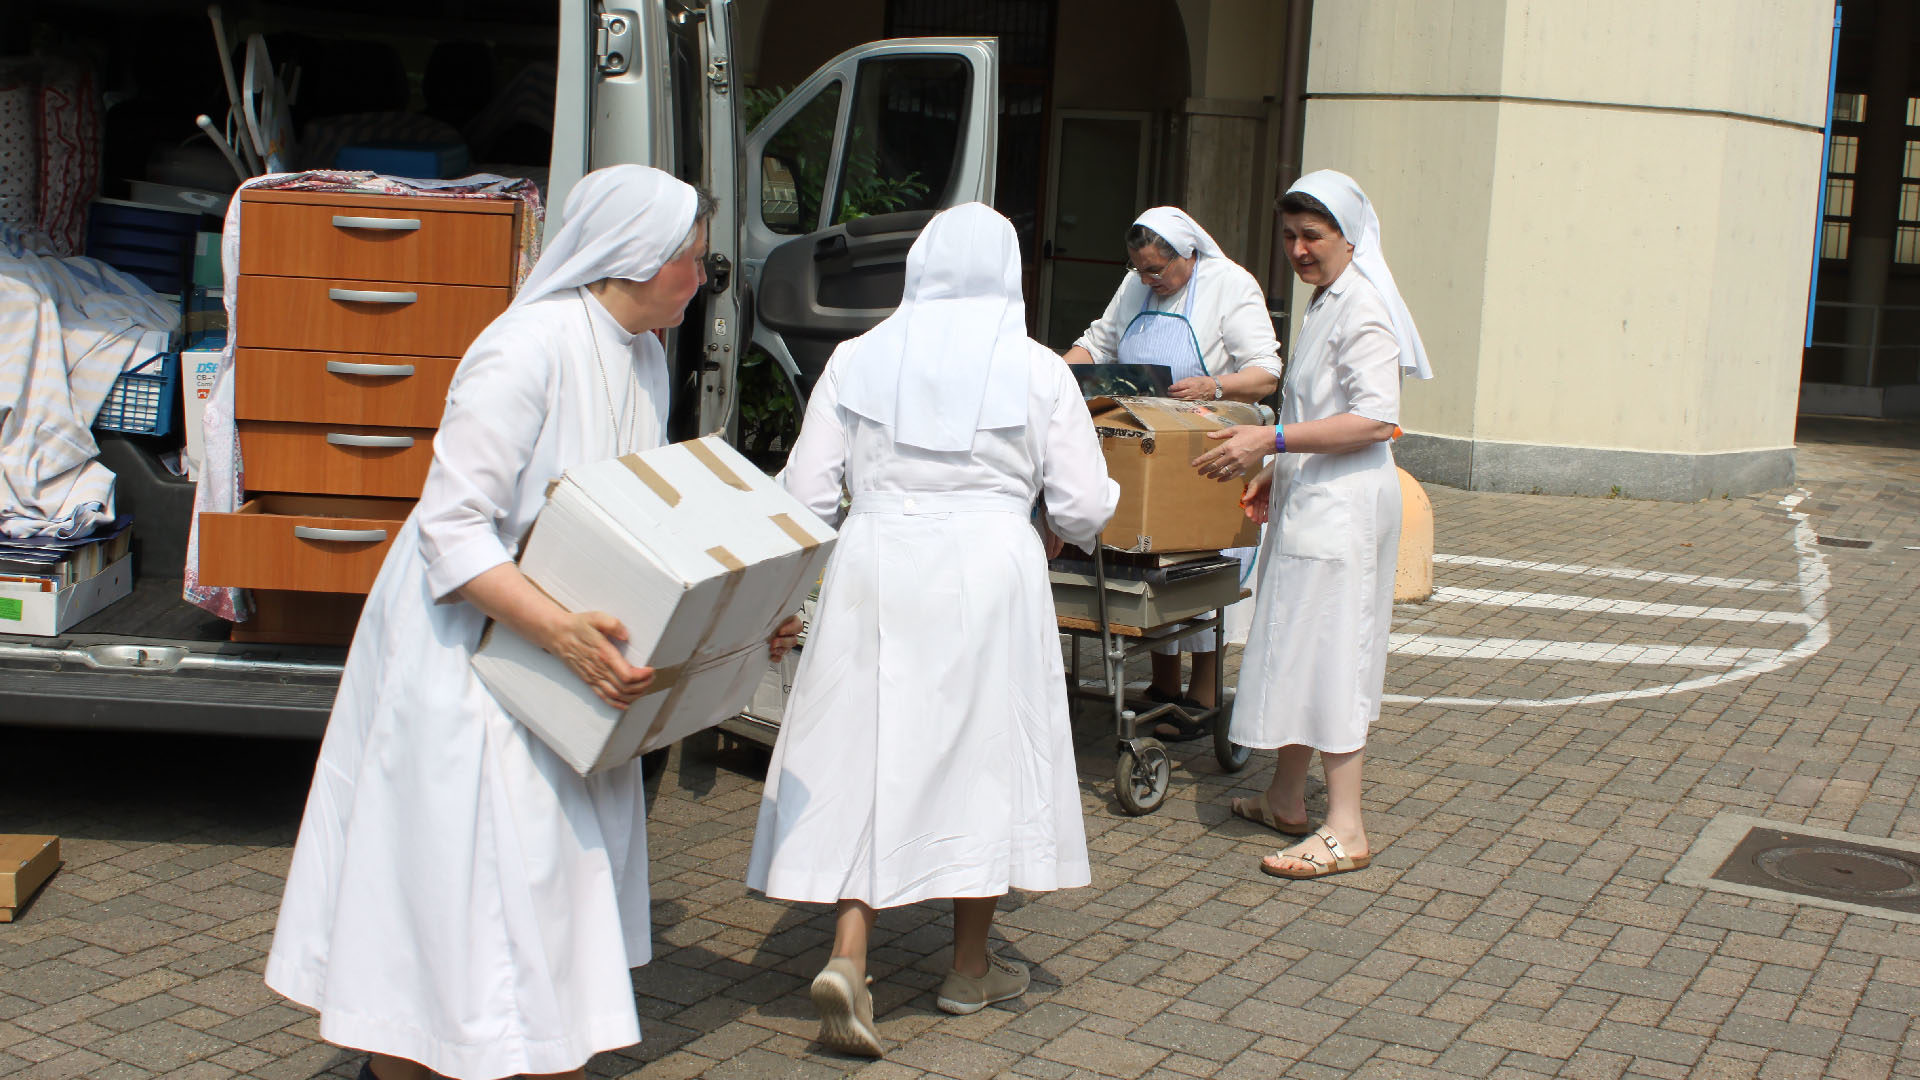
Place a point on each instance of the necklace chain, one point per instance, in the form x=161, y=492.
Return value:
x=620, y=439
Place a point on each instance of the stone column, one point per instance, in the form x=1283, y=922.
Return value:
x=1601, y=217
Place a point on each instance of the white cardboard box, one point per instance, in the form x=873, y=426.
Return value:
x=699, y=554
x=199, y=364
x=26, y=610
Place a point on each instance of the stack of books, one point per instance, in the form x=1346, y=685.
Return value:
x=45, y=564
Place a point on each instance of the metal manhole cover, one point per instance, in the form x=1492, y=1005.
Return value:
x=1833, y=869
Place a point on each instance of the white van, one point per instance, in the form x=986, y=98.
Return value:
x=819, y=201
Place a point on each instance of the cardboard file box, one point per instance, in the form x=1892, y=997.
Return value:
x=26, y=862
x=27, y=608
x=1165, y=505
x=199, y=368
x=699, y=554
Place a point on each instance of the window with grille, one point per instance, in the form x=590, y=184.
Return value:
x=1906, y=227
x=1843, y=161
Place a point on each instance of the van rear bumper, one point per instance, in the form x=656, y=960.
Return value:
x=198, y=690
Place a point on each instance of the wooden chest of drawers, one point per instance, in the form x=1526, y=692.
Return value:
x=352, y=314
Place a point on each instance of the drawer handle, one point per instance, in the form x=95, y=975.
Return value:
x=389, y=224
x=341, y=367
x=349, y=536
x=372, y=296
x=390, y=442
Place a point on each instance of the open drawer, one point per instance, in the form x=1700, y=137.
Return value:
x=336, y=459
x=303, y=543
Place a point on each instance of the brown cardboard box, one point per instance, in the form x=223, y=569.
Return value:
x=1150, y=444
x=26, y=862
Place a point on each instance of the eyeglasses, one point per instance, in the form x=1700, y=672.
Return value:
x=1150, y=275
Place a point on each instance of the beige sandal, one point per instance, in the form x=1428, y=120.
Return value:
x=1341, y=863
x=1257, y=811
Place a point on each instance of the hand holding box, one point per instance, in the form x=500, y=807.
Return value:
x=699, y=554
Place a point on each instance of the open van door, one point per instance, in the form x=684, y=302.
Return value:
x=841, y=176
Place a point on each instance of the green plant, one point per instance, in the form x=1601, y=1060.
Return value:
x=769, y=409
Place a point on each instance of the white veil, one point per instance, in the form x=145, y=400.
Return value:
x=953, y=358
x=1354, y=214
x=624, y=221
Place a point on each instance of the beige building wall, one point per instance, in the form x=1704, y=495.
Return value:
x=1227, y=132
x=1601, y=215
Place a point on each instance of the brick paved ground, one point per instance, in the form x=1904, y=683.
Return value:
x=1516, y=922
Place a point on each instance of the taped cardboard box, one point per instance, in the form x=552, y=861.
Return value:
x=699, y=554
x=26, y=862
x=1165, y=505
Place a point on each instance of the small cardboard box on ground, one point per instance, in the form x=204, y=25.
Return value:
x=44, y=611
x=1165, y=505
x=699, y=554
x=26, y=862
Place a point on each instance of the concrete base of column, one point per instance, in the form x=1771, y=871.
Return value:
x=1479, y=465
x=1413, y=573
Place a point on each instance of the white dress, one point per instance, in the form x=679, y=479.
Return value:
x=1316, y=655
x=459, y=896
x=925, y=751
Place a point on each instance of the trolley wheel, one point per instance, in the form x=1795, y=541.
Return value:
x=1231, y=755
x=1142, y=776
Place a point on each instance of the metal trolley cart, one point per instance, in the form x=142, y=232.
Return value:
x=1143, y=769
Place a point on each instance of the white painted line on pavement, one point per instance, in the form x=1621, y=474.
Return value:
x=1812, y=581
x=1592, y=652
x=1623, y=573
x=1604, y=605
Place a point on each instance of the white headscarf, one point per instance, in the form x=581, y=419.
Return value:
x=1183, y=234
x=624, y=221
x=1361, y=226
x=953, y=357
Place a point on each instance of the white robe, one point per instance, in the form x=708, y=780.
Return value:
x=458, y=895
x=1316, y=655
x=1235, y=333
x=925, y=751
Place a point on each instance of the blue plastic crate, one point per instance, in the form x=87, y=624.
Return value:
x=141, y=401
x=422, y=160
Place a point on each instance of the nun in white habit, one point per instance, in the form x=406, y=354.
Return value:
x=1186, y=306
x=1316, y=657
x=460, y=901
x=925, y=751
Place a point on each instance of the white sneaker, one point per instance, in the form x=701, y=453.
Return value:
x=846, y=1010
x=1005, y=979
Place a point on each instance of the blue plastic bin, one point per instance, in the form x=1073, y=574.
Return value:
x=421, y=160
x=141, y=401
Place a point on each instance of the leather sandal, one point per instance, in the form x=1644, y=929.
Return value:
x=1256, y=810
x=1341, y=864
